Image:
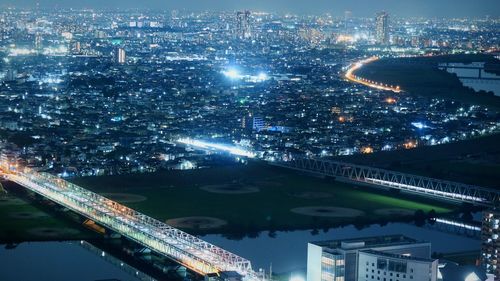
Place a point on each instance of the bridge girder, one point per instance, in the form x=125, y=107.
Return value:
x=442, y=189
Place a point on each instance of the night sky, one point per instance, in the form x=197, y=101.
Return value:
x=428, y=8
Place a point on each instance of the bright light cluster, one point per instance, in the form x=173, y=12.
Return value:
x=459, y=224
x=234, y=74
x=21, y=52
x=419, y=125
x=59, y=50
x=216, y=146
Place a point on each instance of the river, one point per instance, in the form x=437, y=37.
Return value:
x=287, y=252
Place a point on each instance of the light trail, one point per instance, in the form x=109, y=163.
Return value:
x=459, y=224
x=349, y=75
x=425, y=190
x=217, y=146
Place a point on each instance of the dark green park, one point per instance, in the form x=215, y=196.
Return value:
x=256, y=197
x=421, y=76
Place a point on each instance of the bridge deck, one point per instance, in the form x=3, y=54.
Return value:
x=188, y=250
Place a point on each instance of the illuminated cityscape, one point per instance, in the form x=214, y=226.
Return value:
x=198, y=141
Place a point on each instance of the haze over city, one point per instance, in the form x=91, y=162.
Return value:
x=365, y=8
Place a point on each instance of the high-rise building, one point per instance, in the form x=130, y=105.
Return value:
x=347, y=19
x=120, y=56
x=243, y=27
x=382, y=28
x=11, y=75
x=490, y=237
x=77, y=47
x=251, y=123
x=38, y=41
x=258, y=124
x=393, y=257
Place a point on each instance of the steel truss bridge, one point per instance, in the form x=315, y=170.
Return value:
x=420, y=185
x=181, y=247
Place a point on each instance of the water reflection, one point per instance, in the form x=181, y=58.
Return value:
x=57, y=261
x=288, y=250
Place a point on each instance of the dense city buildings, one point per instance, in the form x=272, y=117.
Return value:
x=490, y=237
x=114, y=96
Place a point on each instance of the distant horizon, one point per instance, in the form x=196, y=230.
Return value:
x=359, y=8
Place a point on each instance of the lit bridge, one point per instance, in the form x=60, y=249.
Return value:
x=183, y=248
x=420, y=185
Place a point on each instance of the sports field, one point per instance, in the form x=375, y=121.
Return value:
x=254, y=197
x=22, y=221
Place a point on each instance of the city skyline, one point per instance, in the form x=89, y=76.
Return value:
x=232, y=141
x=360, y=8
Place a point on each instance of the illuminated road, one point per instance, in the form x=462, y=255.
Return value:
x=188, y=250
x=349, y=75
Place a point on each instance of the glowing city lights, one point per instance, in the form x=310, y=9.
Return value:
x=232, y=74
x=217, y=146
x=419, y=125
x=262, y=76
x=235, y=74
x=366, y=150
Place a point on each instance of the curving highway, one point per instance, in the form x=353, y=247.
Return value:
x=349, y=75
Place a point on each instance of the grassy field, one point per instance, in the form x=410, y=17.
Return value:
x=474, y=161
x=274, y=192
x=421, y=76
x=21, y=220
x=174, y=194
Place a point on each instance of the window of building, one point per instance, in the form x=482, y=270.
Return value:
x=382, y=264
x=397, y=266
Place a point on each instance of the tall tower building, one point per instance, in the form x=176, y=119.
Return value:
x=382, y=28
x=11, y=75
x=38, y=41
x=347, y=19
x=490, y=242
x=78, y=47
x=120, y=56
x=243, y=27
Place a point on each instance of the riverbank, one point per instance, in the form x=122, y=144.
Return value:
x=245, y=199
x=421, y=76
x=236, y=201
x=25, y=217
x=474, y=161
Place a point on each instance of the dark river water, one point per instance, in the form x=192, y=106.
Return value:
x=287, y=252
